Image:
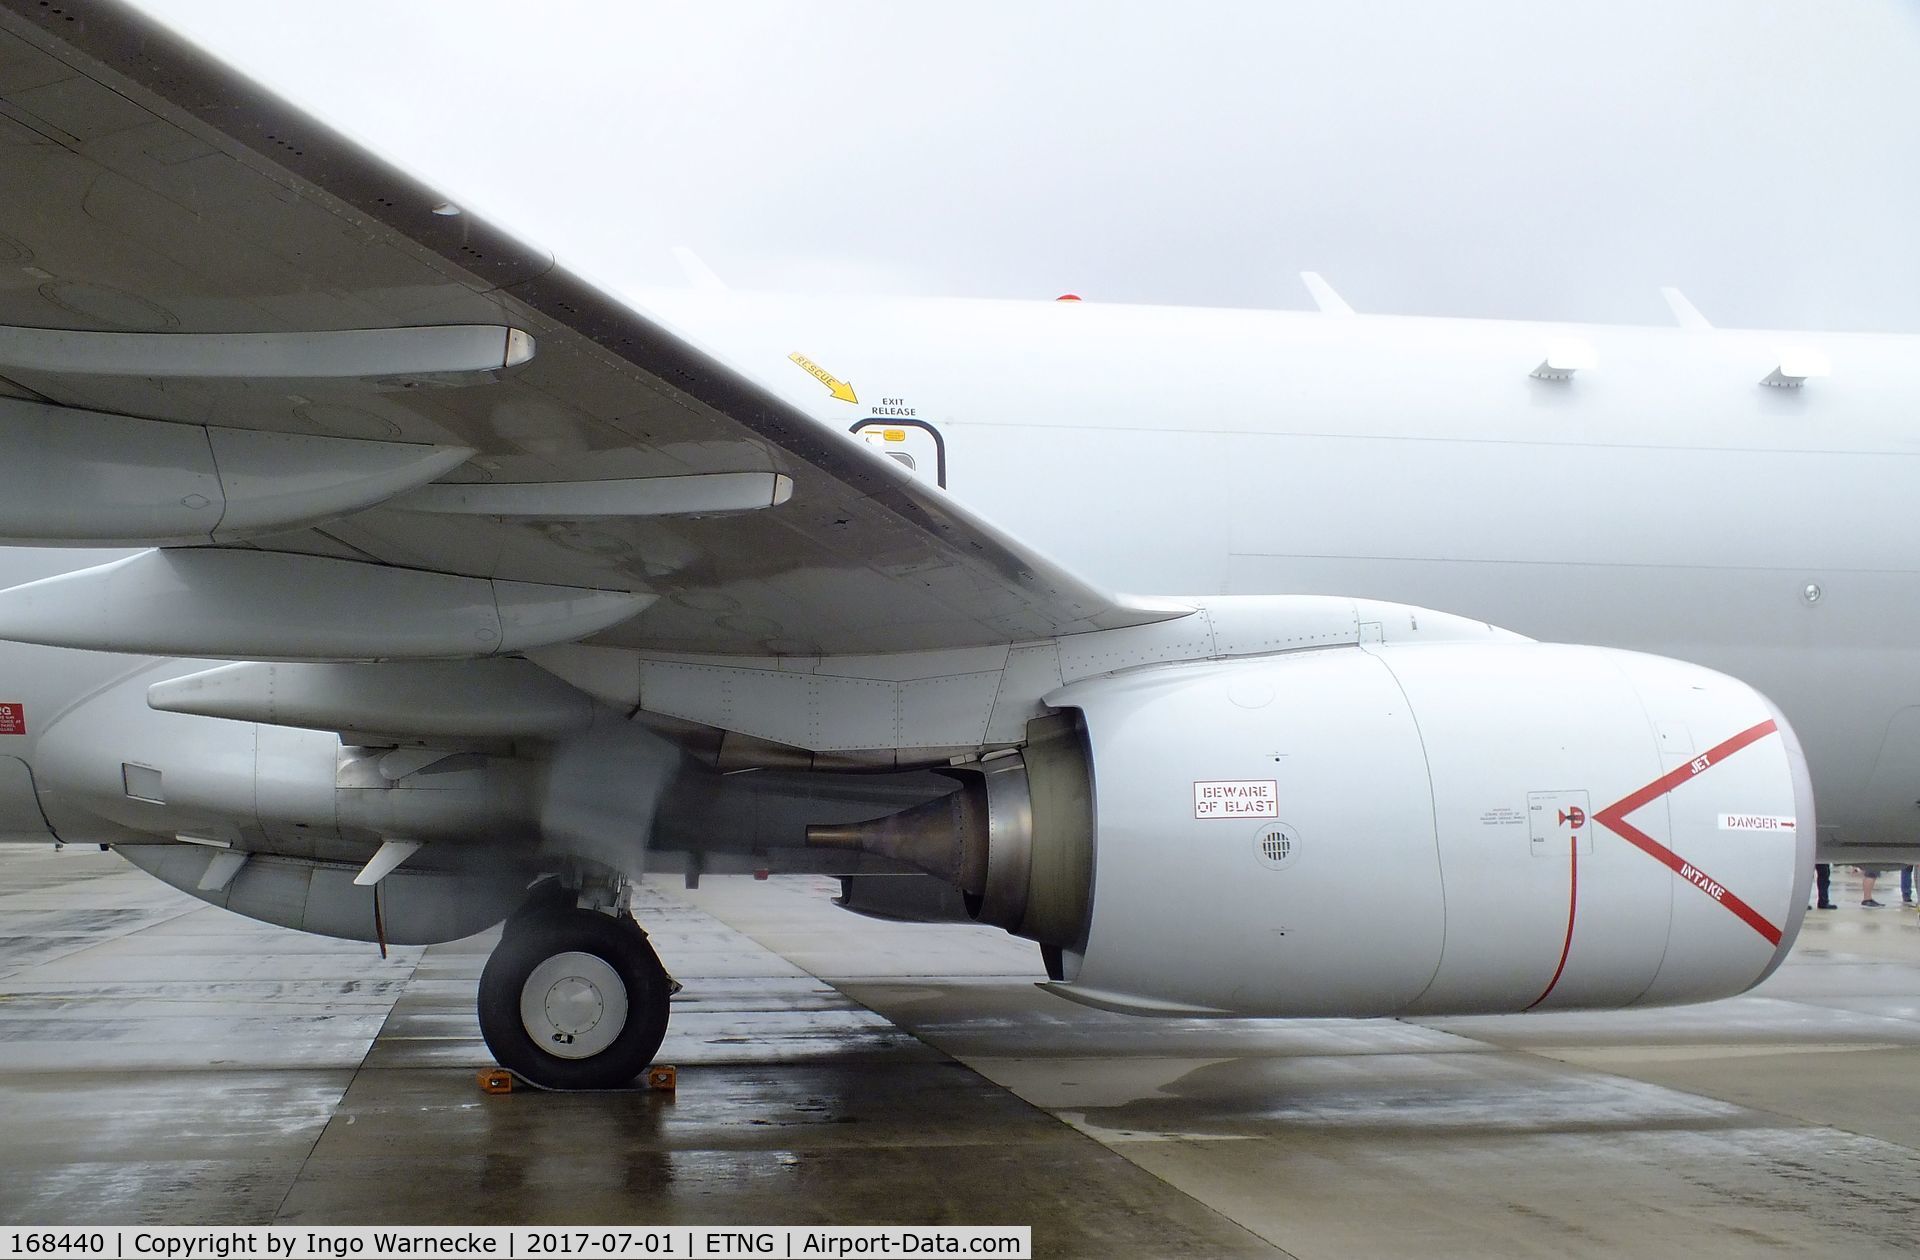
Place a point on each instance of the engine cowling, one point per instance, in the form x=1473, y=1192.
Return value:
x=1407, y=829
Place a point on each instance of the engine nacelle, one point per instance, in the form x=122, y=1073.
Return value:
x=1406, y=829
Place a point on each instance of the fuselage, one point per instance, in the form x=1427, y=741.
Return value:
x=1661, y=499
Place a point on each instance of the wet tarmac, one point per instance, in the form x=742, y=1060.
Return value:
x=163, y=1061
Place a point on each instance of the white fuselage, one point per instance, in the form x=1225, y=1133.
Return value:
x=1663, y=499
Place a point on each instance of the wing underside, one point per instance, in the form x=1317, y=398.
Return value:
x=179, y=246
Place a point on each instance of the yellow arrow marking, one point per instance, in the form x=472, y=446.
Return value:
x=838, y=388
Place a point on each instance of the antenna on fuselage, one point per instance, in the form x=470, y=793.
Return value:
x=1685, y=313
x=1329, y=302
x=702, y=277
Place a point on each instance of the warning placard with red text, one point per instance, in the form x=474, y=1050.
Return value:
x=13, y=718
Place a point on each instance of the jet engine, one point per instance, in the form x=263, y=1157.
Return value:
x=1384, y=830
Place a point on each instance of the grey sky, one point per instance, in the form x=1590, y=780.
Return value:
x=1483, y=157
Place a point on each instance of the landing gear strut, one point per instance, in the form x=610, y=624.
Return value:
x=574, y=999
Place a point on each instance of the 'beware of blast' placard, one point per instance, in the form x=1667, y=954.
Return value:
x=1236, y=798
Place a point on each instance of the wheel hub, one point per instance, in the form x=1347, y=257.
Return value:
x=574, y=1005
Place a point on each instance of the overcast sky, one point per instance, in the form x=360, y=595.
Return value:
x=1480, y=157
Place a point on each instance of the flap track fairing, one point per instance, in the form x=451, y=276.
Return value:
x=90, y=478
x=233, y=604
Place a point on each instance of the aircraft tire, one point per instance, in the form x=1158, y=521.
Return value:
x=574, y=999
x=546, y=899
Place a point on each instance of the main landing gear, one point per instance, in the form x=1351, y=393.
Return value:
x=573, y=998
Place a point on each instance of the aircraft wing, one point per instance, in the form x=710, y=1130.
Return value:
x=178, y=245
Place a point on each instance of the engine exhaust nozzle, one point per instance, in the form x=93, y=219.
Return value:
x=1016, y=838
x=946, y=838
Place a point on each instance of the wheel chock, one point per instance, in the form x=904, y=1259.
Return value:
x=665, y=1079
x=496, y=1081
